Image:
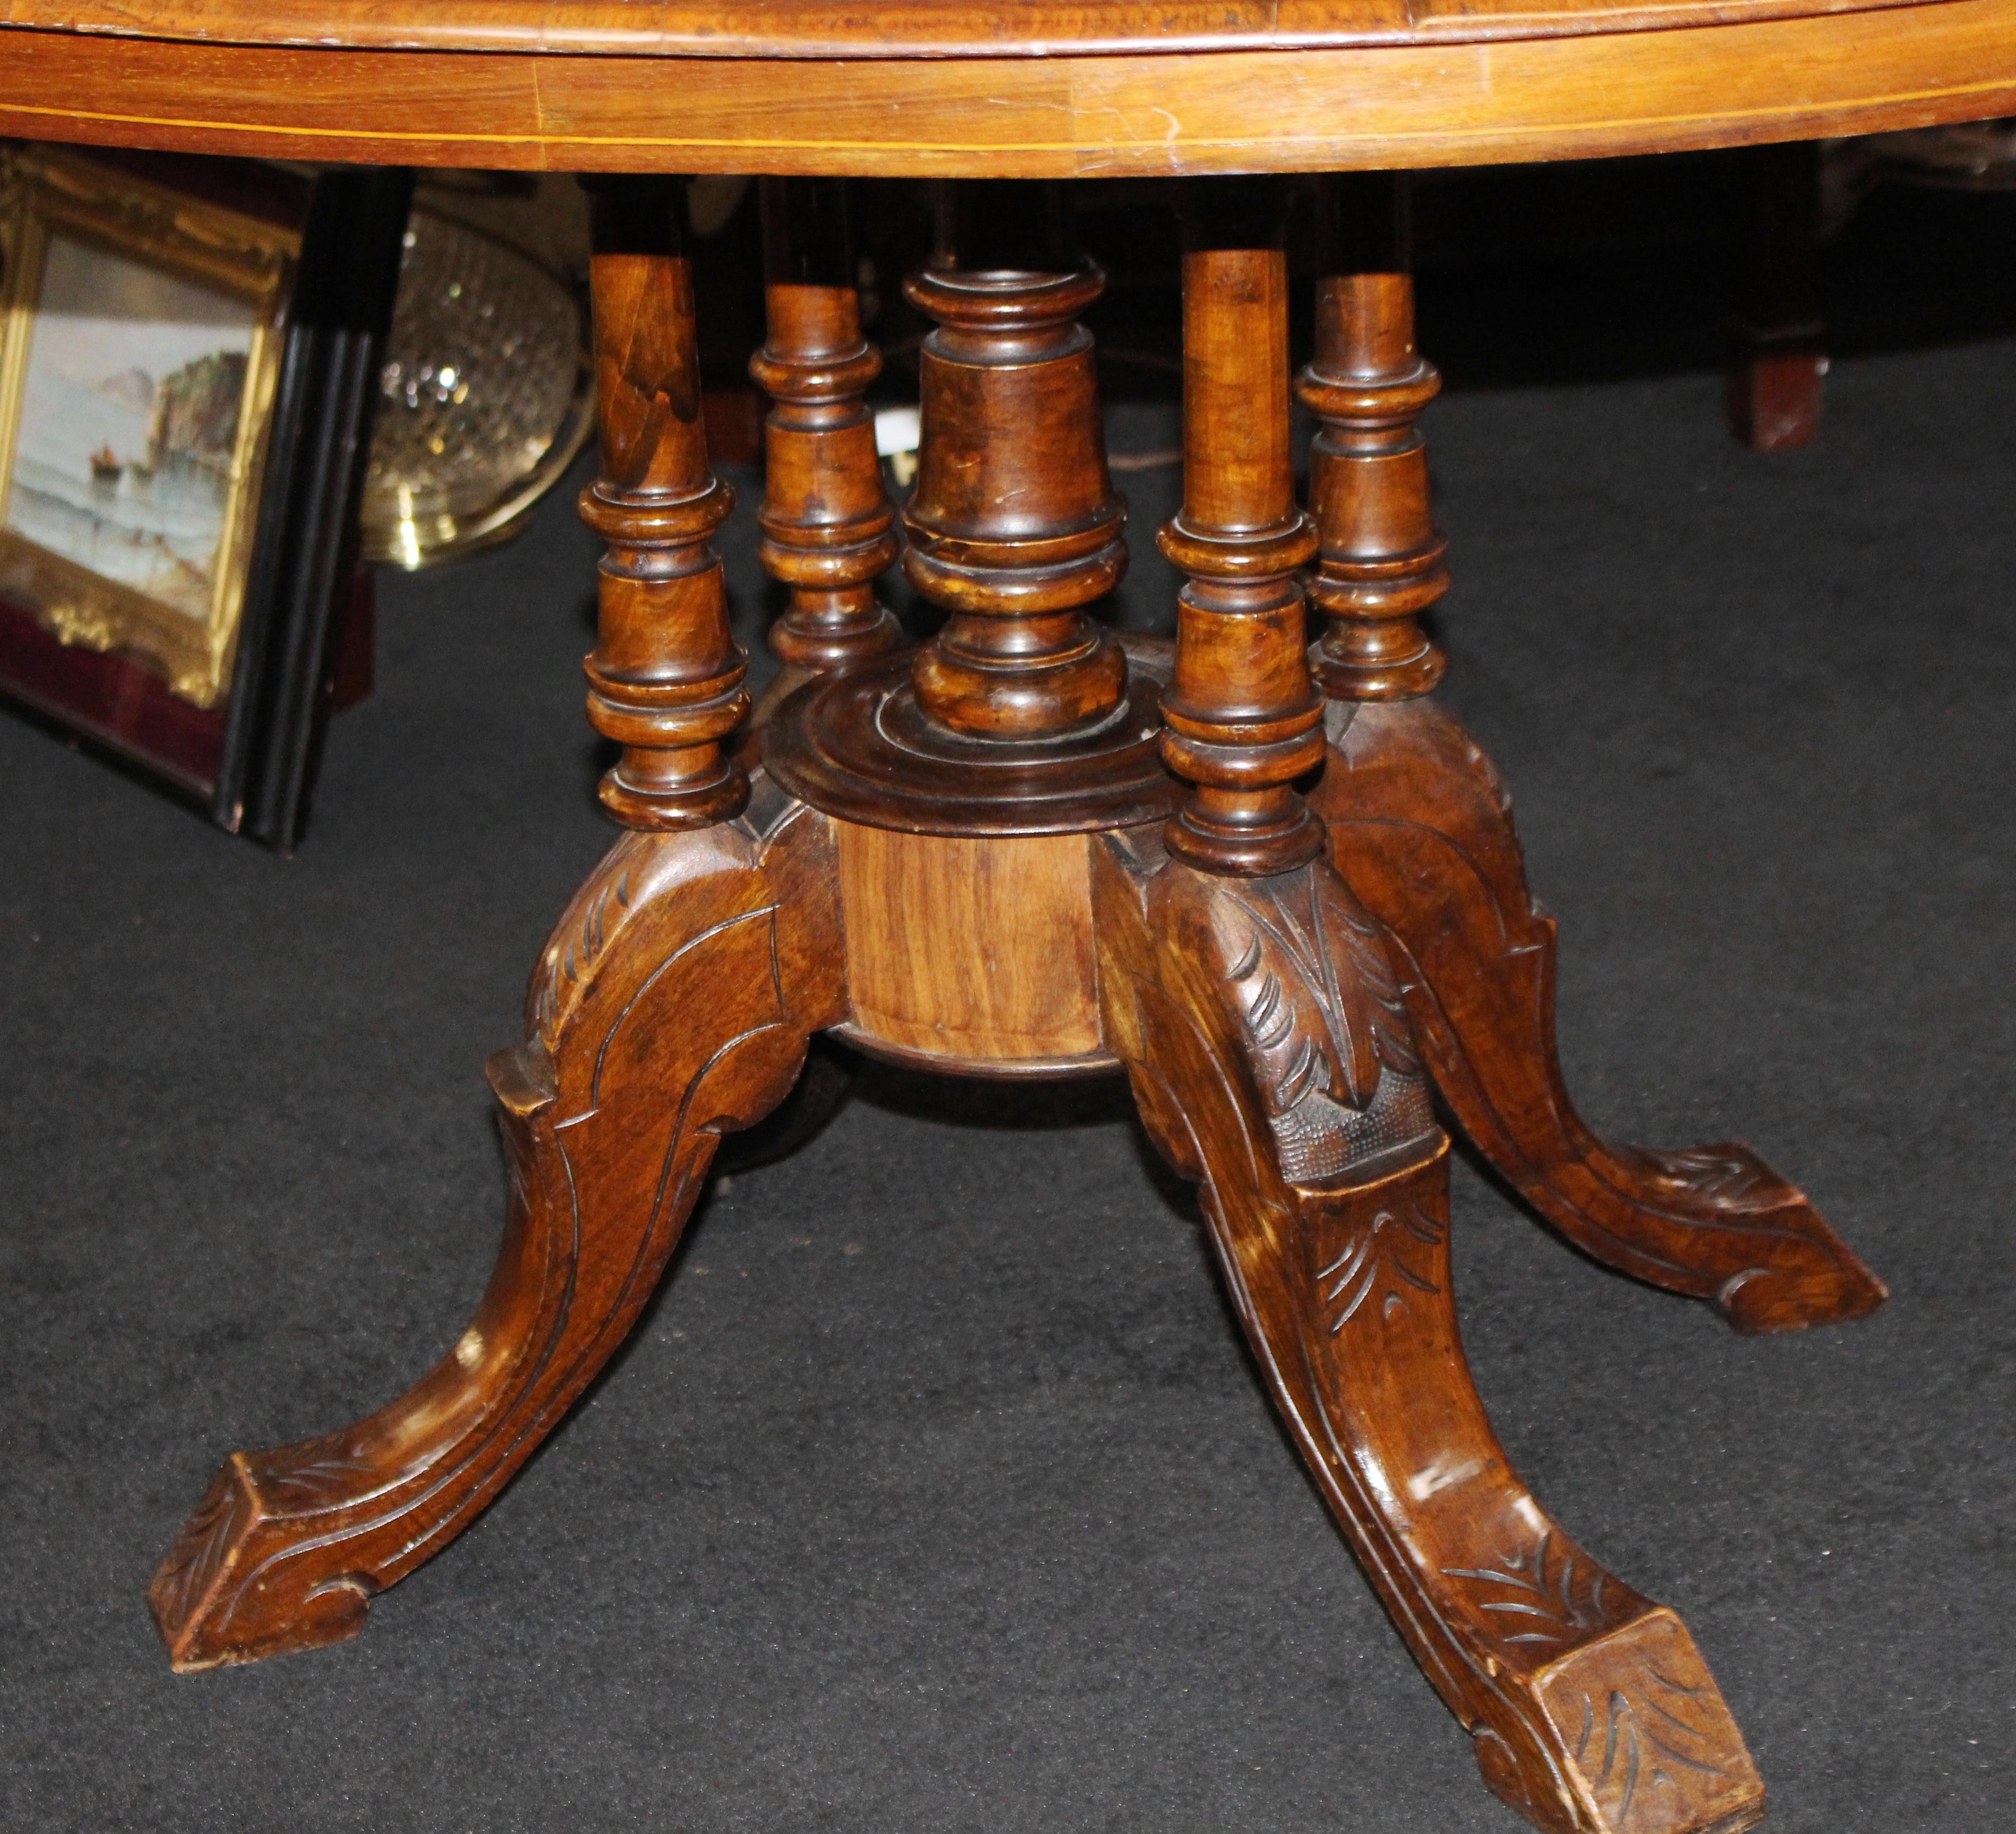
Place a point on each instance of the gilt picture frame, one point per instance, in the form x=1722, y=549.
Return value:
x=139, y=348
x=189, y=356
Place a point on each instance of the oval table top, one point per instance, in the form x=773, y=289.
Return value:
x=1015, y=87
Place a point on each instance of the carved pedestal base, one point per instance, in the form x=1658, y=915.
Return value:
x=1282, y=1034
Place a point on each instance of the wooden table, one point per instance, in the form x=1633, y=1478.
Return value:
x=1280, y=889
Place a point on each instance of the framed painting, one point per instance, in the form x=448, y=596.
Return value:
x=186, y=352
x=136, y=392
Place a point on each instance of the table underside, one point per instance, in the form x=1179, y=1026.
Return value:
x=1325, y=88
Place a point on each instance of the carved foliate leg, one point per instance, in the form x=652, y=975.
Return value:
x=1423, y=832
x=673, y=1003
x=1420, y=827
x=1268, y=1047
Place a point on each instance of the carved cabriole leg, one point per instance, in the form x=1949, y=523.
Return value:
x=828, y=525
x=1267, y=1044
x=674, y=1002
x=1421, y=828
x=1267, y=1041
x=1424, y=834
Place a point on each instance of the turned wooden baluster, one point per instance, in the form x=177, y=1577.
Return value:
x=1014, y=526
x=1244, y=716
x=1382, y=557
x=829, y=528
x=665, y=678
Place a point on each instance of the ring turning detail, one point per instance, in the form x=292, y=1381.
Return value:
x=1270, y=879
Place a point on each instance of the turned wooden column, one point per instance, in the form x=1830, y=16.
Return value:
x=1014, y=526
x=829, y=528
x=1382, y=560
x=1244, y=717
x=665, y=677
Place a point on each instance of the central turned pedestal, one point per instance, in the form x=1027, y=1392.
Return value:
x=1276, y=884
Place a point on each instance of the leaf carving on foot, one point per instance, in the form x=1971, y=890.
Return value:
x=1643, y=1740
x=1535, y=1597
x=315, y=1484
x=199, y=1552
x=1729, y=1178
x=1377, y=1260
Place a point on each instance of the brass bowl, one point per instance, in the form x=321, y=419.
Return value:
x=487, y=396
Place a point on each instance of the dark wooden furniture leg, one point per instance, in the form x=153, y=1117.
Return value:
x=673, y=1003
x=1269, y=1048
x=1422, y=830
x=1778, y=366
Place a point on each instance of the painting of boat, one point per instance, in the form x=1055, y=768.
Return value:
x=126, y=359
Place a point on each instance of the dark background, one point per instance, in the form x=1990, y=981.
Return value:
x=936, y=1491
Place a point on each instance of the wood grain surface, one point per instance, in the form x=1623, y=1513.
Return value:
x=1269, y=1049
x=889, y=28
x=1014, y=527
x=975, y=953
x=1386, y=105
x=1282, y=983
x=1383, y=558
x=1421, y=828
x=672, y=1004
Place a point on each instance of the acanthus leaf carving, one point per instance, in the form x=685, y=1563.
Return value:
x=200, y=1552
x=1321, y=1009
x=1375, y=1259
x=1728, y=1178
x=1542, y=1595
x=1644, y=1737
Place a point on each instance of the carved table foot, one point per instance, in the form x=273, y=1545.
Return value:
x=673, y=1003
x=1269, y=1049
x=1422, y=830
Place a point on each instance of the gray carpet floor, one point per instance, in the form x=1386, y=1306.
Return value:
x=936, y=1491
